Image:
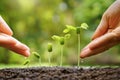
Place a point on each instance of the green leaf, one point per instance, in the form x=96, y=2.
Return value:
x=70, y=27
x=67, y=36
x=66, y=30
x=37, y=55
x=84, y=26
x=55, y=37
x=49, y=47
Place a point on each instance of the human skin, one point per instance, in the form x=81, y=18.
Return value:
x=9, y=42
x=107, y=33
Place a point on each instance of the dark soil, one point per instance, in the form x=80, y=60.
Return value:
x=60, y=73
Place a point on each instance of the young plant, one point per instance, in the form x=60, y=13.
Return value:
x=37, y=55
x=61, y=40
x=49, y=47
x=26, y=63
x=78, y=30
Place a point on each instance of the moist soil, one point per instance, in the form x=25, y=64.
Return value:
x=60, y=73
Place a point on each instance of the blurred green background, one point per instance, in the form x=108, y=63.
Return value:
x=35, y=21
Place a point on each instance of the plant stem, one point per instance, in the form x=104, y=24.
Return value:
x=78, y=49
x=39, y=61
x=49, y=58
x=61, y=56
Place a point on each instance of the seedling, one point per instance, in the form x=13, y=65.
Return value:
x=37, y=55
x=61, y=40
x=26, y=63
x=77, y=29
x=49, y=51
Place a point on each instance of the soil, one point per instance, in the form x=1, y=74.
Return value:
x=60, y=73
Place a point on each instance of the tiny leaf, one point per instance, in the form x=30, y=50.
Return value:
x=66, y=30
x=55, y=37
x=70, y=27
x=67, y=36
x=49, y=47
x=84, y=26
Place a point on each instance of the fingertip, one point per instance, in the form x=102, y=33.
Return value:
x=27, y=53
x=85, y=53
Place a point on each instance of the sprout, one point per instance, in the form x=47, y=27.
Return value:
x=26, y=62
x=49, y=47
x=37, y=55
x=61, y=40
x=77, y=29
x=50, y=51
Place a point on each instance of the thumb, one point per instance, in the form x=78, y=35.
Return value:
x=102, y=28
x=4, y=28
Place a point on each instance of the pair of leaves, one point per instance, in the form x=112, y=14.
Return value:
x=69, y=28
x=77, y=29
x=61, y=39
x=57, y=38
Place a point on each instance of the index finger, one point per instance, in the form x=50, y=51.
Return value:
x=100, y=44
x=103, y=40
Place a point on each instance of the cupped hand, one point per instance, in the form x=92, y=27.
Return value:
x=107, y=34
x=9, y=42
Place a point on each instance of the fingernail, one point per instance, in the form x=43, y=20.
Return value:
x=85, y=53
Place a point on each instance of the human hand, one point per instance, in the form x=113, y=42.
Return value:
x=107, y=34
x=9, y=42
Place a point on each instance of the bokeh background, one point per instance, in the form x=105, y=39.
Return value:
x=35, y=21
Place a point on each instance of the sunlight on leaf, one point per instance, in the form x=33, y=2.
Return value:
x=66, y=30
x=70, y=27
x=55, y=37
x=84, y=26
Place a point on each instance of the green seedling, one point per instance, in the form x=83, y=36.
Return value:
x=61, y=40
x=37, y=55
x=77, y=29
x=26, y=63
x=49, y=47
